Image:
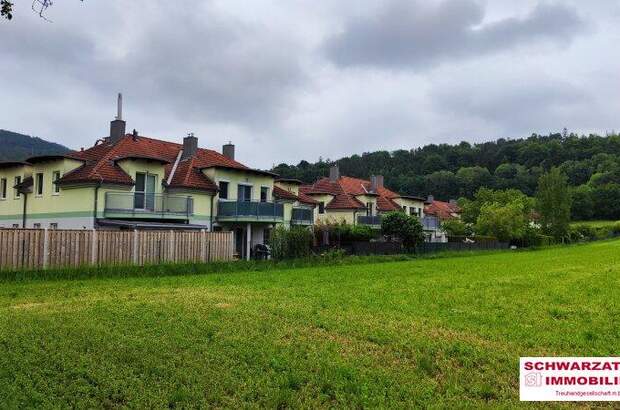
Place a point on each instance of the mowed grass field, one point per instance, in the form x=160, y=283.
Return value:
x=444, y=332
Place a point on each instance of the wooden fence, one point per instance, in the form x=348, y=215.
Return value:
x=42, y=248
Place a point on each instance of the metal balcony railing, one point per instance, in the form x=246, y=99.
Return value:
x=147, y=205
x=250, y=210
x=302, y=216
x=373, y=220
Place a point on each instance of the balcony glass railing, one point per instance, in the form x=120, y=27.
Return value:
x=141, y=204
x=431, y=223
x=302, y=216
x=374, y=220
x=249, y=210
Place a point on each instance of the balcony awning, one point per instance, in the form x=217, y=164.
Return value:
x=118, y=223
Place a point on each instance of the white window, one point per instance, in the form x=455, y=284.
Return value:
x=15, y=226
x=55, y=178
x=36, y=226
x=321, y=207
x=244, y=193
x=3, y=188
x=39, y=184
x=144, y=197
x=369, y=209
x=17, y=181
x=53, y=225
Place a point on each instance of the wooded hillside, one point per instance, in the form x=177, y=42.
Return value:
x=592, y=164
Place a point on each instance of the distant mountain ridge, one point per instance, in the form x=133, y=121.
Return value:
x=18, y=147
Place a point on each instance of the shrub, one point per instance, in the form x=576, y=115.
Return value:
x=295, y=242
x=456, y=227
x=343, y=233
x=615, y=228
x=405, y=227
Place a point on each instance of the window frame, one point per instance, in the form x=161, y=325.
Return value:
x=219, y=185
x=246, y=186
x=264, y=189
x=17, y=180
x=369, y=208
x=56, y=175
x=144, y=192
x=39, y=181
x=3, y=188
x=321, y=208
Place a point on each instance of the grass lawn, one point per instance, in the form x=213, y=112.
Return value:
x=445, y=332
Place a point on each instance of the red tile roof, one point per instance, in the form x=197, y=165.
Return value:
x=100, y=163
x=284, y=194
x=442, y=210
x=345, y=189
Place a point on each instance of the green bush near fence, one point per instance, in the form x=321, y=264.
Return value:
x=295, y=242
x=590, y=232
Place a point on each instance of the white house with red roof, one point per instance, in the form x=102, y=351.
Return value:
x=129, y=181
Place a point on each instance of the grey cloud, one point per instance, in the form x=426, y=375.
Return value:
x=190, y=61
x=514, y=105
x=414, y=34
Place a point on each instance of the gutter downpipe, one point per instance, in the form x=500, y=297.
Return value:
x=211, y=216
x=96, y=201
x=25, y=210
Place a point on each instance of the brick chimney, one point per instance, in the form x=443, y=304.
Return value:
x=228, y=150
x=190, y=146
x=334, y=173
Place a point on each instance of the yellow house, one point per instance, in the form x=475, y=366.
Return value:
x=128, y=181
x=358, y=201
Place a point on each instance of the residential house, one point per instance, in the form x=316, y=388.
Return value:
x=128, y=181
x=303, y=207
x=357, y=201
x=435, y=212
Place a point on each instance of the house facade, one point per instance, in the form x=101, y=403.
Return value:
x=128, y=181
x=435, y=212
x=357, y=201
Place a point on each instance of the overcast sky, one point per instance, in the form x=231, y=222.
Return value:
x=303, y=79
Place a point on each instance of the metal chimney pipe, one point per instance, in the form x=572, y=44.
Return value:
x=119, y=107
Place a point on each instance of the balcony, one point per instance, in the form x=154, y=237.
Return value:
x=249, y=211
x=302, y=216
x=150, y=206
x=431, y=223
x=371, y=220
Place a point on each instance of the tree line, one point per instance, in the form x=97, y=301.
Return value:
x=590, y=163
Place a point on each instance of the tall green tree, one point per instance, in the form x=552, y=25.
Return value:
x=553, y=201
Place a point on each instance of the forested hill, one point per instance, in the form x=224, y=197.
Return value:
x=452, y=171
x=15, y=146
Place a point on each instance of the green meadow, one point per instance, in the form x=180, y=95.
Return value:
x=434, y=332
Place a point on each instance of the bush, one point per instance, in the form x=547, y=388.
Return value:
x=343, y=233
x=295, y=242
x=615, y=228
x=583, y=232
x=456, y=227
x=405, y=227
